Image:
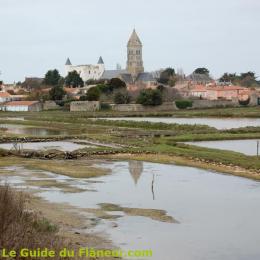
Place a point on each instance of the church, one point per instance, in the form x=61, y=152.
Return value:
x=133, y=74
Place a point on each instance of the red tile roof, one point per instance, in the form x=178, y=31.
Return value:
x=199, y=88
x=21, y=103
x=4, y=94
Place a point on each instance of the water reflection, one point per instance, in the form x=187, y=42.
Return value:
x=247, y=147
x=136, y=169
x=65, y=146
x=34, y=131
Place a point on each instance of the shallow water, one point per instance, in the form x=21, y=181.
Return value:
x=13, y=118
x=65, y=146
x=248, y=147
x=219, y=123
x=218, y=214
x=34, y=131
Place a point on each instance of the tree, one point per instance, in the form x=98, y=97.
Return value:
x=228, y=77
x=122, y=98
x=116, y=83
x=248, y=74
x=167, y=75
x=203, y=71
x=74, y=80
x=57, y=93
x=150, y=97
x=247, y=79
x=93, y=94
x=52, y=78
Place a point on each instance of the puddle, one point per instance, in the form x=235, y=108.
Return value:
x=13, y=118
x=33, y=131
x=247, y=147
x=64, y=146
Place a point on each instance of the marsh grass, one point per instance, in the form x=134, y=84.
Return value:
x=20, y=228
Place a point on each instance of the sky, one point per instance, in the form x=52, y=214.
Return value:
x=38, y=35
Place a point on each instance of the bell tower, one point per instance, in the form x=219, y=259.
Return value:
x=134, y=55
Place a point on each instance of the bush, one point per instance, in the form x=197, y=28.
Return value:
x=183, y=104
x=122, y=98
x=150, y=97
x=93, y=94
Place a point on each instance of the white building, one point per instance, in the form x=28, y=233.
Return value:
x=22, y=106
x=5, y=97
x=86, y=72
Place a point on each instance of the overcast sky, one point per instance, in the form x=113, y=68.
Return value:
x=37, y=35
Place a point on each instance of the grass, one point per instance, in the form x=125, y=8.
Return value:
x=214, y=155
x=74, y=169
x=148, y=137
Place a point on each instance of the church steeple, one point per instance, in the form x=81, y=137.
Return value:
x=134, y=55
x=68, y=63
x=134, y=40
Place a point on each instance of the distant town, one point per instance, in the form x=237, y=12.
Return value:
x=93, y=87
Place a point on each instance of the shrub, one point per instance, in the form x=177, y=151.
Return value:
x=183, y=104
x=122, y=98
x=150, y=97
x=93, y=94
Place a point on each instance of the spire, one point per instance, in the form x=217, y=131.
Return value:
x=100, y=60
x=134, y=39
x=68, y=62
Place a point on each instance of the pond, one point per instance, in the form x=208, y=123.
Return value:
x=216, y=215
x=30, y=131
x=65, y=146
x=219, y=123
x=247, y=147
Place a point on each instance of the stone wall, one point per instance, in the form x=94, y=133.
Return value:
x=200, y=103
x=169, y=106
x=37, y=107
x=88, y=106
x=51, y=105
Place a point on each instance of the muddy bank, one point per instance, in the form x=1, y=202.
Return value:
x=73, y=225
